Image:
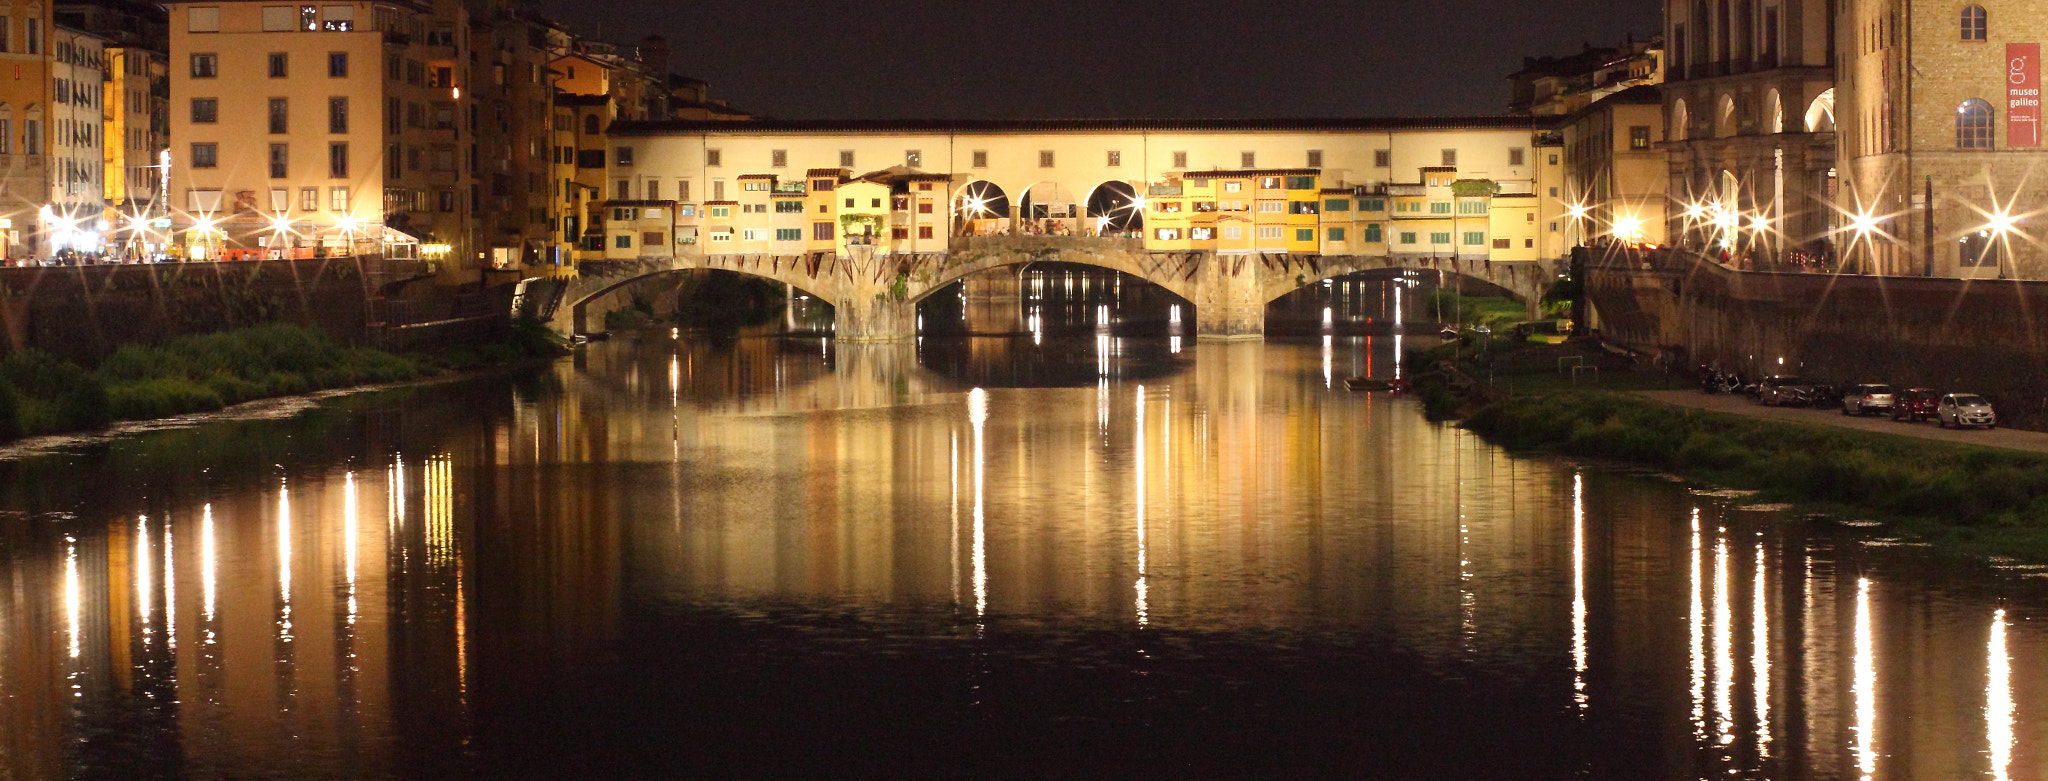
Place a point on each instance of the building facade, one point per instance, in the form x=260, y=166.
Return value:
x=1483, y=189
x=1938, y=106
x=1747, y=100
x=309, y=130
x=74, y=216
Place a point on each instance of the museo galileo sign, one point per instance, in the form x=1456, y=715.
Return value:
x=2023, y=94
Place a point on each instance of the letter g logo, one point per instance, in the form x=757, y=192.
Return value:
x=2017, y=74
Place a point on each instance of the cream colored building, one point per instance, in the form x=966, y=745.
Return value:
x=74, y=217
x=137, y=127
x=307, y=129
x=1748, y=93
x=1047, y=173
x=1616, y=167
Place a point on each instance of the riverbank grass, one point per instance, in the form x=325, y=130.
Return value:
x=1970, y=499
x=43, y=394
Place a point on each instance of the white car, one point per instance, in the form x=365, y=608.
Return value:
x=1965, y=409
x=1867, y=400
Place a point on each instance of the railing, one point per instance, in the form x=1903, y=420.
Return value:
x=1036, y=244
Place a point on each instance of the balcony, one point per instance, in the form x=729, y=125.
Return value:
x=1037, y=245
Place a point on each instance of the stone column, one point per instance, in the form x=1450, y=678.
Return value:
x=1229, y=304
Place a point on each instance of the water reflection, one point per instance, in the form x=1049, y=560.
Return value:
x=720, y=549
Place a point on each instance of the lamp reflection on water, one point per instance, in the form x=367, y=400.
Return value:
x=71, y=596
x=1760, y=655
x=1998, y=704
x=1144, y=605
x=1697, y=624
x=1865, y=685
x=284, y=563
x=977, y=414
x=1579, y=591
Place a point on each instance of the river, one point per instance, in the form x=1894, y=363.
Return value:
x=1089, y=548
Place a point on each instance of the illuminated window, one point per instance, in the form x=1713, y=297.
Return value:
x=1973, y=125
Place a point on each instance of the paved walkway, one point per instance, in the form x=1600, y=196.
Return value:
x=2030, y=441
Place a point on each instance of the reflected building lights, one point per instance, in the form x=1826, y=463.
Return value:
x=208, y=566
x=1998, y=702
x=1865, y=686
x=977, y=414
x=142, y=585
x=440, y=517
x=1144, y=605
x=1724, y=645
x=954, y=475
x=71, y=595
x=170, y=589
x=1579, y=591
x=1760, y=654
x=348, y=543
x=1697, y=624
x=1328, y=383
x=284, y=563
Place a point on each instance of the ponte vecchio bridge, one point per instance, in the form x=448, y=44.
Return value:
x=1227, y=215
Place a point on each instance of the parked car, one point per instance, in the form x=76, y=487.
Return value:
x=1785, y=391
x=1914, y=404
x=1965, y=409
x=1867, y=399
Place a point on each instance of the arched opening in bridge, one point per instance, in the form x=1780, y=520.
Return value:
x=731, y=302
x=1054, y=301
x=1114, y=210
x=981, y=209
x=1386, y=301
x=1047, y=209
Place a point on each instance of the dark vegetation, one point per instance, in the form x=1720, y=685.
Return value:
x=43, y=394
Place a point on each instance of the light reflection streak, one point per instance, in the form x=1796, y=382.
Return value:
x=71, y=596
x=1760, y=654
x=977, y=413
x=440, y=520
x=1144, y=605
x=1397, y=332
x=1327, y=348
x=1579, y=591
x=170, y=590
x=1865, y=686
x=208, y=561
x=142, y=584
x=1697, y=623
x=954, y=475
x=284, y=563
x=348, y=532
x=1724, y=645
x=1998, y=703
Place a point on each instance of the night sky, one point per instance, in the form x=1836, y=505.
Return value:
x=883, y=59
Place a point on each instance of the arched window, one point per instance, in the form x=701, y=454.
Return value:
x=1974, y=26
x=1973, y=125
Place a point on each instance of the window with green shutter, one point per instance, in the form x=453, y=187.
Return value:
x=1336, y=234
x=1301, y=183
x=1440, y=237
x=1471, y=207
x=1439, y=207
x=1372, y=205
x=1475, y=238
x=789, y=234
x=1336, y=205
x=1304, y=234
x=1407, y=237
x=1372, y=233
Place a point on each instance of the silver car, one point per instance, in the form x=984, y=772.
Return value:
x=1965, y=409
x=1867, y=400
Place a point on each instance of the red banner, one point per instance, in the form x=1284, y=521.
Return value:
x=2023, y=94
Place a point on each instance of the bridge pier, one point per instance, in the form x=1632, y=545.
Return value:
x=875, y=317
x=1229, y=305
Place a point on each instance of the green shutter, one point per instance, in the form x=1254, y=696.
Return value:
x=1336, y=234
x=1336, y=205
x=1372, y=233
x=1475, y=238
x=1304, y=234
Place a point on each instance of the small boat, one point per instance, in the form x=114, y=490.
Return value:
x=1448, y=333
x=1376, y=384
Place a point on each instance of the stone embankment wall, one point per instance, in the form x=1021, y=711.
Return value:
x=86, y=312
x=1984, y=336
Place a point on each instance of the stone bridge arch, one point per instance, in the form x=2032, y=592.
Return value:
x=1171, y=271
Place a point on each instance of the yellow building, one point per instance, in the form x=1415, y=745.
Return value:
x=137, y=122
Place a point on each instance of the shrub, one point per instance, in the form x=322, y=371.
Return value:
x=161, y=398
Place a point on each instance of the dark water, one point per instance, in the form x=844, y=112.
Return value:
x=1066, y=554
